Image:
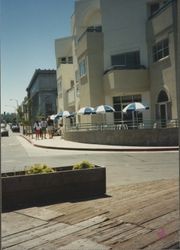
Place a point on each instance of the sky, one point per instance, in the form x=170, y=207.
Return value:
x=28, y=32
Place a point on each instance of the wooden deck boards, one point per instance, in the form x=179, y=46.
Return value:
x=136, y=216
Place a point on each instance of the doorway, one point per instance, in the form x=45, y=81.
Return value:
x=163, y=114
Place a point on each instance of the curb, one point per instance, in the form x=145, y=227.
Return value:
x=130, y=149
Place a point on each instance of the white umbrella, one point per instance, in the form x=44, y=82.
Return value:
x=63, y=114
x=86, y=111
x=104, y=109
x=135, y=106
x=52, y=117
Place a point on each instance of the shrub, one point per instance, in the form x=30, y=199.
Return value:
x=38, y=169
x=83, y=165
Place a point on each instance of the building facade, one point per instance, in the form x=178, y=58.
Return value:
x=42, y=94
x=122, y=52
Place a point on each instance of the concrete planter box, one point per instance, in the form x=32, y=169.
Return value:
x=20, y=190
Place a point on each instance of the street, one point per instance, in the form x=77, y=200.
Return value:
x=121, y=167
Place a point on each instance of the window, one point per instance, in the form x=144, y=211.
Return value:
x=130, y=59
x=82, y=68
x=160, y=50
x=70, y=59
x=63, y=59
x=162, y=97
x=120, y=102
x=154, y=8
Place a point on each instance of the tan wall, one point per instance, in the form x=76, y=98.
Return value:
x=91, y=86
x=95, y=67
x=126, y=81
x=63, y=47
x=66, y=73
x=85, y=14
x=124, y=25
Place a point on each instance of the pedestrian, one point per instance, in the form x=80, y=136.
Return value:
x=37, y=128
x=43, y=128
x=50, y=127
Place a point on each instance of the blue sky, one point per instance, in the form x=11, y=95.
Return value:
x=28, y=31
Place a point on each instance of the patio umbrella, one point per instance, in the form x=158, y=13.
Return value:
x=135, y=106
x=86, y=111
x=52, y=117
x=104, y=109
x=63, y=114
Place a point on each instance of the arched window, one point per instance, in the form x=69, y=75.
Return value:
x=162, y=97
x=163, y=108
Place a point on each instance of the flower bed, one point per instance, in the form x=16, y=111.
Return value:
x=20, y=190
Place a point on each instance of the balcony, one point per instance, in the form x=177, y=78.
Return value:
x=90, y=40
x=162, y=19
x=119, y=78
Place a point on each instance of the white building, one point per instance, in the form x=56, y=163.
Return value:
x=122, y=51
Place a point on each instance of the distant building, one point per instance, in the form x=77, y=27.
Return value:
x=122, y=52
x=42, y=94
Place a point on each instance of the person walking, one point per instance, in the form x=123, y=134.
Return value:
x=43, y=128
x=37, y=128
x=50, y=127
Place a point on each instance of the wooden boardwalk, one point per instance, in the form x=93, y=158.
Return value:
x=136, y=216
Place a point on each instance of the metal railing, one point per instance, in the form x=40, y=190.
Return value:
x=124, y=125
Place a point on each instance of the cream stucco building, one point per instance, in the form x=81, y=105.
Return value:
x=120, y=51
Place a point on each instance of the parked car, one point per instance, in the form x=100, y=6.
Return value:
x=15, y=128
x=4, y=131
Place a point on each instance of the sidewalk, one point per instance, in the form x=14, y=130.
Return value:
x=58, y=143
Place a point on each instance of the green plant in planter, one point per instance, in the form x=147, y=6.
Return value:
x=83, y=165
x=38, y=169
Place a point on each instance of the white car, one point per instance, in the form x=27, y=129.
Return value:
x=4, y=131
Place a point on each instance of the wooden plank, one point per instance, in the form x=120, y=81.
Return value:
x=162, y=220
x=13, y=223
x=83, y=244
x=83, y=233
x=97, y=229
x=112, y=232
x=126, y=235
x=139, y=202
x=75, y=216
x=165, y=242
x=122, y=207
x=32, y=234
x=40, y=213
x=149, y=213
x=57, y=234
x=144, y=240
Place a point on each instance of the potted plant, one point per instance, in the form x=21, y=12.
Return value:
x=43, y=184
